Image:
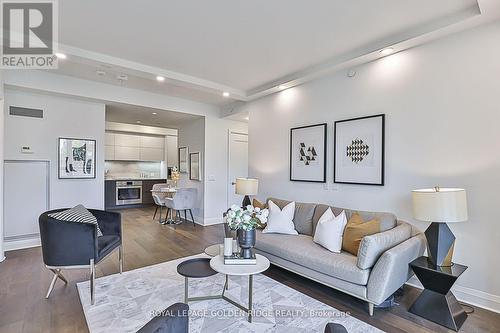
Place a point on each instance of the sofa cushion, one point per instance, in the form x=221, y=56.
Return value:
x=280, y=221
x=303, y=218
x=355, y=230
x=301, y=250
x=387, y=220
x=373, y=246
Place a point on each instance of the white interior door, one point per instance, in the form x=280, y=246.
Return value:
x=26, y=196
x=238, y=164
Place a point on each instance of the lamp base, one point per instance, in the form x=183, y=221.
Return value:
x=246, y=201
x=440, y=244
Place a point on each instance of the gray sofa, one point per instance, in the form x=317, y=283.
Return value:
x=380, y=268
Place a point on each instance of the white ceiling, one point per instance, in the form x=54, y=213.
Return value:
x=240, y=43
x=130, y=114
x=245, y=47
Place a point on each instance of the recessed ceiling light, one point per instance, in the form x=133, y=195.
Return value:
x=387, y=51
x=154, y=113
x=61, y=55
x=122, y=77
x=225, y=94
x=138, y=121
x=160, y=78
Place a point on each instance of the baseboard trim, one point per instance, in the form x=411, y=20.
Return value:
x=467, y=295
x=212, y=220
x=23, y=243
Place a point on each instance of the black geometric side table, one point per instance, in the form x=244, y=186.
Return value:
x=437, y=303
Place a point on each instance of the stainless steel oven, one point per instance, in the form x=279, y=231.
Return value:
x=128, y=192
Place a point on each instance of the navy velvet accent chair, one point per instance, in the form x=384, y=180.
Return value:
x=71, y=245
x=173, y=319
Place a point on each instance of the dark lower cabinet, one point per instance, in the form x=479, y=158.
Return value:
x=147, y=197
x=110, y=194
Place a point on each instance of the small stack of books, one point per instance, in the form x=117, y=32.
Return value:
x=236, y=259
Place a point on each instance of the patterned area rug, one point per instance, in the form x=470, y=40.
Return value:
x=126, y=302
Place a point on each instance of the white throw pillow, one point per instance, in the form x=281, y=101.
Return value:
x=329, y=230
x=280, y=221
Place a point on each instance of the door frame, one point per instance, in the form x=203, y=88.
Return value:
x=228, y=164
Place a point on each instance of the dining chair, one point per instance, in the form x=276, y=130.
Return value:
x=156, y=190
x=183, y=200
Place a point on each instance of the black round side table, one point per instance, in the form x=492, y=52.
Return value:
x=195, y=268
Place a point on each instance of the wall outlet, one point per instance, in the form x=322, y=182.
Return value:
x=211, y=178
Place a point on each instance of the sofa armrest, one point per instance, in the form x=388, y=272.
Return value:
x=373, y=246
x=392, y=270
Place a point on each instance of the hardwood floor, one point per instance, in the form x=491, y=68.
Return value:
x=24, y=281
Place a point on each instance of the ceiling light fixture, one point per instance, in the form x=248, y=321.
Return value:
x=281, y=87
x=154, y=113
x=138, y=121
x=386, y=51
x=160, y=78
x=225, y=94
x=61, y=55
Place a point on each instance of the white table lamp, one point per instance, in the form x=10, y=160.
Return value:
x=440, y=206
x=246, y=187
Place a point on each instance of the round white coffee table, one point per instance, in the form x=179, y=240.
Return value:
x=217, y=264
x=213, y=250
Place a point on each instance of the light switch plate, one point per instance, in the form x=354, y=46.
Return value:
x=26, y=150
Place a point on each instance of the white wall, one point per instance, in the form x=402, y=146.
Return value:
x=2, y=257
x=191, y=134
x=441, y=102
x=63, y=117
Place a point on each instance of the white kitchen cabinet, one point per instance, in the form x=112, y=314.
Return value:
x=171, y=141
x=109, y=153
x=109, y=139
x=127, y=140
x=127, y=153
x=152, y=142
x=152, y=154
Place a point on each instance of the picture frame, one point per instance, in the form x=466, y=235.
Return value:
x=76, y=158
x=359, y=151
x=308, y=153
x=183, y=156
x=195, y=166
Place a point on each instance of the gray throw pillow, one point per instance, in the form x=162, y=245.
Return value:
x=78, y=214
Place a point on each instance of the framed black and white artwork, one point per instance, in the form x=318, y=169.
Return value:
x=183, y=159
x=359, y=150
x=76, y=158
x=194, y=166
x=308, y=153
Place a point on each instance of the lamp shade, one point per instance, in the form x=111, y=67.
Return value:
x=247, y=186
x=440, y=205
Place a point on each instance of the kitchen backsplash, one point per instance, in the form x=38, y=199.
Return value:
x=132, y=169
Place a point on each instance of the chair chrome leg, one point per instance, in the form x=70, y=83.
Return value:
x=185, y=289
x=51, y=286
x=57, y=274
x=92, y=281
x=120, y=258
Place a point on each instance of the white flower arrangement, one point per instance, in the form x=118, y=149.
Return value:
x=247, y=218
